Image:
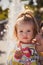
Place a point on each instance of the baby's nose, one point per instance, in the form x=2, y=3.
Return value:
x=25, y=33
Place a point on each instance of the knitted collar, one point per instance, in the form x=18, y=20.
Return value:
x=24, y=45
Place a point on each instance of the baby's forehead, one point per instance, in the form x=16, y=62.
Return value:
x=25, y=24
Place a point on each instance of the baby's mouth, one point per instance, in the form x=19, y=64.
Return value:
x=25, y=38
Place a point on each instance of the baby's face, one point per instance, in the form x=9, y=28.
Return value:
x=25, y=32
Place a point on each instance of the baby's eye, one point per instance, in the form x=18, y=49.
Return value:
x=21, y=31
x=28, y=30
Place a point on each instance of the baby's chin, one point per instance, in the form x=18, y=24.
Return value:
x=25, y=42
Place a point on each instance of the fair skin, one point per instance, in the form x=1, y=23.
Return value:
x=25, y=32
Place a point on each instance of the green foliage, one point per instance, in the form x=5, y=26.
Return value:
x=3, y=14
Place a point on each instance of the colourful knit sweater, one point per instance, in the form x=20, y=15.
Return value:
x=30, y=57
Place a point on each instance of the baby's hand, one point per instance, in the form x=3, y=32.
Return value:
x=18, y=54
x=37, y=39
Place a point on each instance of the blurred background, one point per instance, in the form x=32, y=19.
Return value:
x=9, y=9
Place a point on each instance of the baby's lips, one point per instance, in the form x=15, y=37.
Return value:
x=25, y=37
